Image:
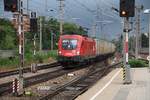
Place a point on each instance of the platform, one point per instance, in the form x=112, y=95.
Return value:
x=111, y=87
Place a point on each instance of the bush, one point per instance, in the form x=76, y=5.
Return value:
x=39, y=58
x=137, y=63
x=28, y=57
x=52, y=53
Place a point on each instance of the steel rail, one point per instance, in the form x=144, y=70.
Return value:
x=26, y=70
x=7, y=87
x=80, y=84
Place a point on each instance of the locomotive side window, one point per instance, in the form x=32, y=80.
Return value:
x=69, y=44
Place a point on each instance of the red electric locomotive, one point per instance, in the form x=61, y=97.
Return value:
x=75, y=48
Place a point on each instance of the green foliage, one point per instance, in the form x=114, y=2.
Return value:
x=52, y=53
x=145, y=42
x=137, y=63
x=29, y=58
x=29, y=48
x=9, y=40
x=9, y=44
x=9, y=62
x=52, y=26
x=40, y=56
x=8, y=37
x=70, y=28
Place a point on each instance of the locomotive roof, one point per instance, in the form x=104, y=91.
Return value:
x=77, y=36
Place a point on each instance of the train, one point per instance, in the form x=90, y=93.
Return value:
x=74, y=49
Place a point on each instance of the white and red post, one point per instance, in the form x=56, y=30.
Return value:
x=126, y=47
x=14, y=86
x=127, y=79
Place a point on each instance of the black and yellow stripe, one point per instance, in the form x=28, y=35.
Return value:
x=124, y=72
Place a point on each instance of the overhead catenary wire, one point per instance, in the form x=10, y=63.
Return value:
x=84, y=6
x=71, y=20
x=36, y=6
x=69, y=11
x=108, y=7
x=87, y=17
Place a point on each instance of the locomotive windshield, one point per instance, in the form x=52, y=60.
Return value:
x=69, y=44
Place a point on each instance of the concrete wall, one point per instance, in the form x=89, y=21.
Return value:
x=7, y=53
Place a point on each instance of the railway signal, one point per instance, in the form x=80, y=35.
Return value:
x=33, y=25
x=33, y=28
x=33, y=22
x=127, y=8
x=126, y=66
x=11, y=5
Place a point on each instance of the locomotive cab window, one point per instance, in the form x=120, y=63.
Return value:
x=69, y=44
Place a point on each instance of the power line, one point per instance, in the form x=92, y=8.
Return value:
x=40, y=4
x=84, y=6
x=69, y=11
x=108, y=14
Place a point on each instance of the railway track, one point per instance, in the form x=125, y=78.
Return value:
x=26, y=70
x=72, y=89
x=6, y=88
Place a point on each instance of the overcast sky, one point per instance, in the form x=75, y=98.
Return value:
x=79, y=12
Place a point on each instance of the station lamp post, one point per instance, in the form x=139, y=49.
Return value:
x=147, y=11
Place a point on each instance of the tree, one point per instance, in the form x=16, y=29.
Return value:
x=70, y=28
x=52, y=26
x=145, y=40
x=8, y=36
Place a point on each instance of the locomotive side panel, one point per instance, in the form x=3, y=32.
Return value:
x=88, y=48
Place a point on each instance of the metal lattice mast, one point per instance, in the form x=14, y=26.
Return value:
x=40, y=33
x=21, y=39
x=61, y=15
x=138, y=30
x=21, y=48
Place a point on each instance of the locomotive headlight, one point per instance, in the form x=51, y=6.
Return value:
x=78, y=52
x=59, y=52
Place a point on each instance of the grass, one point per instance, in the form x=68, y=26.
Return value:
x=41, y=57
x=9, y=63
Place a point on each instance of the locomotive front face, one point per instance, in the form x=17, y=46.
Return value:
x=69, y=49
x=69, y=44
